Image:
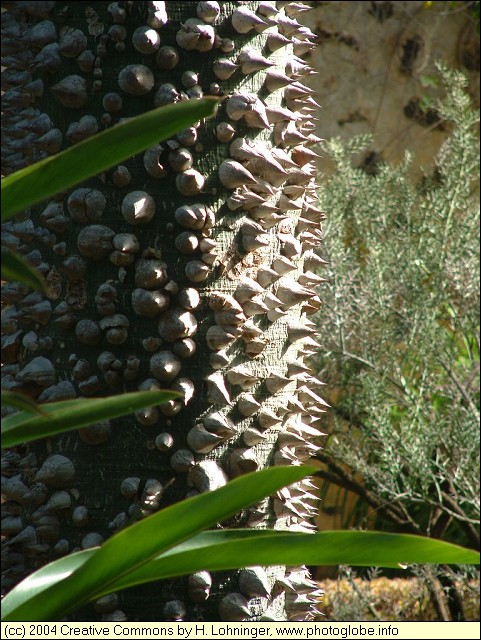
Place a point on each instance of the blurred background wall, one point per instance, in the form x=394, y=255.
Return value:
x=377, y=75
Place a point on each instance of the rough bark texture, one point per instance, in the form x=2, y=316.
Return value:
x=188, y=267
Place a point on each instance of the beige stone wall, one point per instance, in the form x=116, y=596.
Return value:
x=373, y=59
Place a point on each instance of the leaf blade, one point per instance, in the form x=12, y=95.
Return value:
x=21, y=401
x=73, y=414
x=137, y=545
x=16, y=269
x=225, y=550
x=233, y=549
x=96, y=154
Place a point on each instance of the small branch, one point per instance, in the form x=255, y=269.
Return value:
x=342, y=478
x=368, y=364
x=348, y=417
x=334, y=479
x=454, y=598
x=353, y=356
x=467, y=525
x=437, y=596
x=363, y=598
x=440, y=522
x=462, y=390
x=451, y=512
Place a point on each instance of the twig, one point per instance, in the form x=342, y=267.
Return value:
x=346, y=480
x=461, y=389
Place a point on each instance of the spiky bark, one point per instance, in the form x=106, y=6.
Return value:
x=189, y=267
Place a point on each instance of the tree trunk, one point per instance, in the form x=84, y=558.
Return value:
x=188, y=267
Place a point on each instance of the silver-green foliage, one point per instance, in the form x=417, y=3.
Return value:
x=400, y=326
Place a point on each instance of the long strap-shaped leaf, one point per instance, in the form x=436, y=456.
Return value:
x=134, y=547
x=21, y=401
x=224, y=550
x=85, y=159
x=72, y=414
x=16, y=269
x=232, y=549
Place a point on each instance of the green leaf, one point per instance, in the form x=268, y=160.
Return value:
x=429, y=80
x=426, y=103
x=16, y=269
x=224, y=550
x=89, y=157
x=38, y=582
x=233, y=549
x=21, y=401
x=136, y=546
x=73, y=414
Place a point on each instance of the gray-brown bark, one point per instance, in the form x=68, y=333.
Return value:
x=188, y=267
